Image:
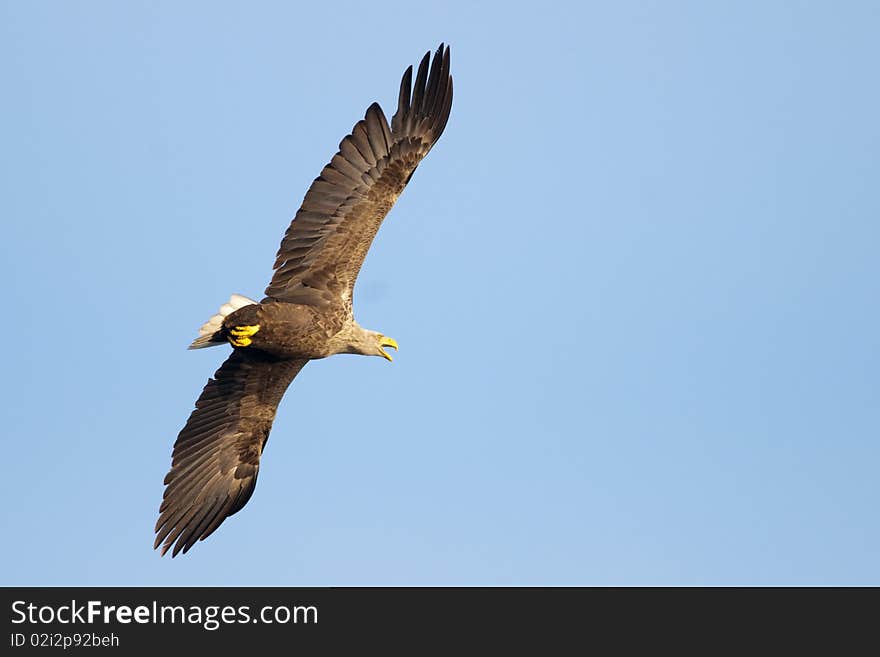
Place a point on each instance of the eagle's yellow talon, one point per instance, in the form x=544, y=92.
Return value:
x=245, y=331
x=240, y=336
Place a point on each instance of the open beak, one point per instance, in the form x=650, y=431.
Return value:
x=385, y=341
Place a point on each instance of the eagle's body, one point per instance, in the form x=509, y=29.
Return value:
x=292, y=330
x=306, y=314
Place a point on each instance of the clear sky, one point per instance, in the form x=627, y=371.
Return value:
x=635, y=286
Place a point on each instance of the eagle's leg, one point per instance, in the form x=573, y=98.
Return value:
x=240, y=336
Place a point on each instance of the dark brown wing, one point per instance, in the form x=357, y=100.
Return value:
x=328, y=239
x=217, y=454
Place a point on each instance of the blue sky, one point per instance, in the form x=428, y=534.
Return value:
x=635, y=287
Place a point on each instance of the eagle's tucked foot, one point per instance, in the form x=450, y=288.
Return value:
x=385, y=341
x=240, y=336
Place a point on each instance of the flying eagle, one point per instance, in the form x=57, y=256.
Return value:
x=306, y=313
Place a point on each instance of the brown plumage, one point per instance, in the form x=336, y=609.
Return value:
x=306, y=313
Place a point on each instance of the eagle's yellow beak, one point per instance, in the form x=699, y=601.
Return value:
x=385, y=341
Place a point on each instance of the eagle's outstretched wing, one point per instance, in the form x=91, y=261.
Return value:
x=328, y=239
x=217, y=453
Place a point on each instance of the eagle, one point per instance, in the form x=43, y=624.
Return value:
x=306, y=313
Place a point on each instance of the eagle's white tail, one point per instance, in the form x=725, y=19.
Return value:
x=209, y=333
